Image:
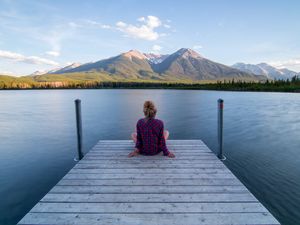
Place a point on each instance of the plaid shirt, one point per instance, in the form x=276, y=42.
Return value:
x=150, y=137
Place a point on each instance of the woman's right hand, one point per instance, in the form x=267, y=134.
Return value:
x=171, y=155
x=134, y=153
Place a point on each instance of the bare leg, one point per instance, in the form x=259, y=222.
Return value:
x=166, y=134
x=133, y=136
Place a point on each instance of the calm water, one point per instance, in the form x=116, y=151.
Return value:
x=38, y=139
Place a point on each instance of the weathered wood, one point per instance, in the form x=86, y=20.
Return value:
x=145, y=176
x=154, y=157
x=107, y=187
x=151, y=171
x=152, y=182
x=191, y=197
x=149, y=160
x=147, y=165
x=148, y=189
x=150, y=219
x=204, y=207
x=124, y=153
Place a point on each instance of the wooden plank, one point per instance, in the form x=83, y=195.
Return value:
x=191, y=197
x=154, y=157
x=146, y=166
x=125, y=153
x=150, y=219
x=127, y=150
x=136, y=161
x=157, y=171
x=148, y=189
x=204, y=207
x=185, y=141
x=173, y=147
x=152, y=182
x=145, y=176
x=184, y=147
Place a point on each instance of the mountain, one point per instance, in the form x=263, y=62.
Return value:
x=184, y=64
x=266, y=70
x=65, y=69
x=132, y=65
x=56, y=70
x=187, y=63
x=155, y=58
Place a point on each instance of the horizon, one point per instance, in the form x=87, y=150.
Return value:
x=37, y=36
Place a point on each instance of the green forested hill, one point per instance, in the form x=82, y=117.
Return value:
x=103, y=80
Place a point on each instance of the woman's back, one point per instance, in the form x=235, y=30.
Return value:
x=150, y=136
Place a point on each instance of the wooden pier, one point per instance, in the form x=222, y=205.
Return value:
x=107, y=187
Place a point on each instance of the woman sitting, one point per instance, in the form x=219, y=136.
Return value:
x=150, y=137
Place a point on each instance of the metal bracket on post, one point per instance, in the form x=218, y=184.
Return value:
x=220, y=129
x=79, y=129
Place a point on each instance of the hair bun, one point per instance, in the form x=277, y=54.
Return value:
x=149, y=109
x=148, y=105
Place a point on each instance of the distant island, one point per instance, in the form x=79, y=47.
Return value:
x=184, y=69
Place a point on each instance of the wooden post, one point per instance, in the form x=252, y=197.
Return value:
x=220, y=128
x=79, y=128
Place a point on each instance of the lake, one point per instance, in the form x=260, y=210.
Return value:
x=38, y=138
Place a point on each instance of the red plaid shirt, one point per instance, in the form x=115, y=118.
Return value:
x=150, y=137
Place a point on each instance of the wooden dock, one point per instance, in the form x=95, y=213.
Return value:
x=107, y=187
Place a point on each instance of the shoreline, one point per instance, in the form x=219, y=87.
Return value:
x=154, y=88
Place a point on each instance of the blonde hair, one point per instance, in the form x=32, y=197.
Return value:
x=149, y=109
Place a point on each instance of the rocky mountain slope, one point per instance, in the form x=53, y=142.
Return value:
x=267, y=70
x=184, y=64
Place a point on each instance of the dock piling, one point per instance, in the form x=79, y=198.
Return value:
x=220, y=128
x=79, y=129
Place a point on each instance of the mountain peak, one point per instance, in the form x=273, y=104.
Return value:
x=266, y=70
x=134, y=53
x=187, y=52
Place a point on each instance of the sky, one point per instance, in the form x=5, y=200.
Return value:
x=42, y=35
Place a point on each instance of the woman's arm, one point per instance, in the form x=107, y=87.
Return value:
x=138, y=144
x=162, y=143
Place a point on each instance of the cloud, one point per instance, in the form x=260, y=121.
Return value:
x=26, y=59
x=145, y=31
x=156, y=48
x=3, y=72
x=97, y=24
x=53, y=53
x=286, y=63
x=197, y=47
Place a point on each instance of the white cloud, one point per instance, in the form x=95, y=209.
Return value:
x=145, y=31
x=6, y=72
x=97, y=24
x=141, y=19
x=74, y=25
x=53, y=53
x=156, y=48
x=26, y=59
x=197, y=47
x=105, y=26
x=167, y=26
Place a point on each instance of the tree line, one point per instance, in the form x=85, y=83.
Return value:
x=290, y=85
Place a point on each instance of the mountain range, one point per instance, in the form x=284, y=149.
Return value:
x=266, y=70
x=184, y=64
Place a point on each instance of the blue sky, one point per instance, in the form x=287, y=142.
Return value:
x=40, y=35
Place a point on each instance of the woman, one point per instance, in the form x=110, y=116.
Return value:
x=150, y=137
